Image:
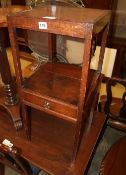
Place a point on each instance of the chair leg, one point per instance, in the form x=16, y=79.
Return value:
x=2, y=169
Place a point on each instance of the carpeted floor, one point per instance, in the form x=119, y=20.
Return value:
x=110, y=136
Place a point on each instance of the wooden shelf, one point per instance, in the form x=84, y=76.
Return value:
x=58, y=81
x=51, y=142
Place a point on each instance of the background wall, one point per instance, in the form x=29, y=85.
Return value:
x=121, y=5
x=120, y=19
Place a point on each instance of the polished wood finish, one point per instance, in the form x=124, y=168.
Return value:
x=114, y=160
x=62, y=90
x=10, y=102
x=65, y=25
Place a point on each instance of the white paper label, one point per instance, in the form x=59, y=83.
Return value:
x=43, y=25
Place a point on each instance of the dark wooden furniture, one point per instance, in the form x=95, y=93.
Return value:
x=114, y=108
x=64, y=91
x=10, y=156
x=9, y=101
x=114, y=161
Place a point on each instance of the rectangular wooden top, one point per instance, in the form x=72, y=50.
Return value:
x=72, y=21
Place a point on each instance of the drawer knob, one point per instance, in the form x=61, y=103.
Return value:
x=46, y=105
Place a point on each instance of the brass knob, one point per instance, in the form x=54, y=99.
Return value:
x=46, y=105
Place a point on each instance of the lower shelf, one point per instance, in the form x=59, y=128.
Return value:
x=52, y=140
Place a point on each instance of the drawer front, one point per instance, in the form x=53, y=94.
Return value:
x=60, y=109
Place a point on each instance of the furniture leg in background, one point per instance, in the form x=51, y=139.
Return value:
x=10, y=101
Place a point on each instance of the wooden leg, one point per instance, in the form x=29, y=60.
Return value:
x=52, y=47
x=26, y=121
x=10, y=102
x=14, y=113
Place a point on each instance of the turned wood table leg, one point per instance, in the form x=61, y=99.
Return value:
x=10, y=100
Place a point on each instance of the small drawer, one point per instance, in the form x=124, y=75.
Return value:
x=52, y=106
